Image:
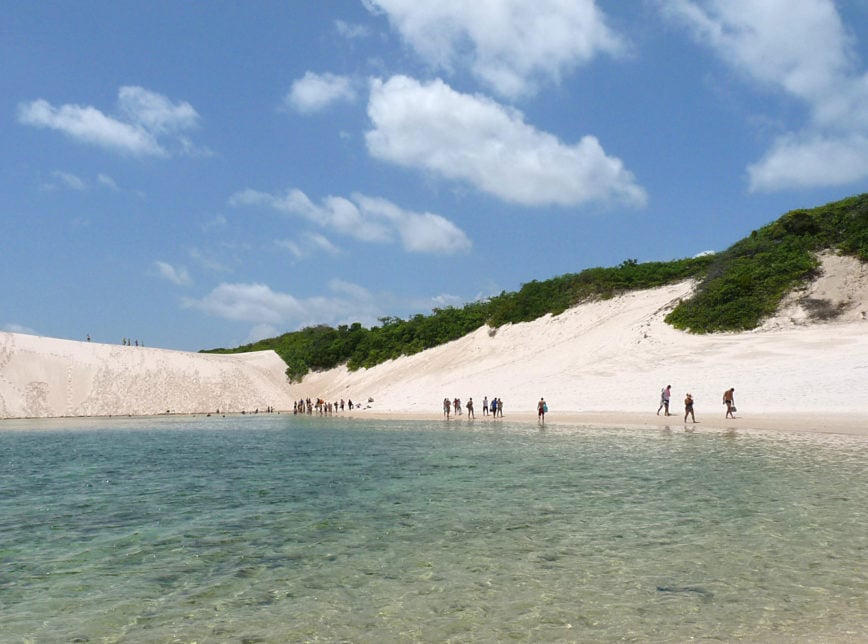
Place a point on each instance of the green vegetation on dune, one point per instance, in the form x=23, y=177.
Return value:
x=746, y=282
x=323, y=347
x=737, y=289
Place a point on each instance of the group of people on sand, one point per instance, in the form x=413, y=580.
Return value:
x=320, y=406
x=666, y=395
x=495, y=407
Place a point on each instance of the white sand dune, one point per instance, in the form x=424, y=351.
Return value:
x=609, y=358
x=46, y=377
x=614, y=356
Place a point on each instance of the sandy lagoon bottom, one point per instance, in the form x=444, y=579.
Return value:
x=282, y=528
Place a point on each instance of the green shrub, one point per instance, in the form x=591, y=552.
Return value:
x=737, y=289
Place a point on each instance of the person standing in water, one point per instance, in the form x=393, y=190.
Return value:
x=541, y=409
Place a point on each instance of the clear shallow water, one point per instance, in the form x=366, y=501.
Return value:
x=277, y=528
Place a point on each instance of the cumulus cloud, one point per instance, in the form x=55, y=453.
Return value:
x=811, y=159
x=315, y=92
x=477, y=141
x=248, y=303
x=177, y=276
x=804, y=50
x=366, y=219
x=508, y=44
x=419, y=232
x=147, y=124
x=259, y=304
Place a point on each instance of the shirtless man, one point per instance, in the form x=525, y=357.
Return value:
x=729, y=401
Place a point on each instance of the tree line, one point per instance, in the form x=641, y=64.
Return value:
x=736, y=290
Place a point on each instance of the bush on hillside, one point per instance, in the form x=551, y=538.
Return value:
x=737, y=289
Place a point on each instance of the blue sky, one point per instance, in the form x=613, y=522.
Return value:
x=195, y=175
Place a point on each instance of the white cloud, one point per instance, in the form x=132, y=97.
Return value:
x=315, y=92
x=309, y=244
x=154, y=112
x=320, y=242
x=804, y=50
x=145, y=119
x=215, y=262
x=798, y=46
x=811, y=160
x=353, y=292
x=178, y=276
x=18, y=328
x=367, y=219
x=351, y=31
x=107, y=181
x=74, y=182
x=249, y=303
x=476, y=140
x=70, y=180
x=508, y=44
x=261, y=305
x=293, y=247
x=261, y=332
x=419, y=232
x=218, y=221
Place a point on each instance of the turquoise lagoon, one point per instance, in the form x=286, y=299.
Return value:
x=290, y=529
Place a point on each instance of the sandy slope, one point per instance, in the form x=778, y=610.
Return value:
x=615, y=355
x=46, y=377
x=606, y=360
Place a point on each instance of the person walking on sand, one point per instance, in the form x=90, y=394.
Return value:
x=470, y=413
x=485, y=406
x=541, y=409
x=729, y=401
x=688, y=407
x=665, y=395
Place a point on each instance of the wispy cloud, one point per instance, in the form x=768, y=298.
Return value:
x=803, y=50
x=310, y=244
x=509, y=45
x=351, y=31
x=176, y=275
x=316, y=92
x=477, y=141
x=19, y=328
x=147, y=123
x=108, y=182
x=67, y=180
x=367, y=219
